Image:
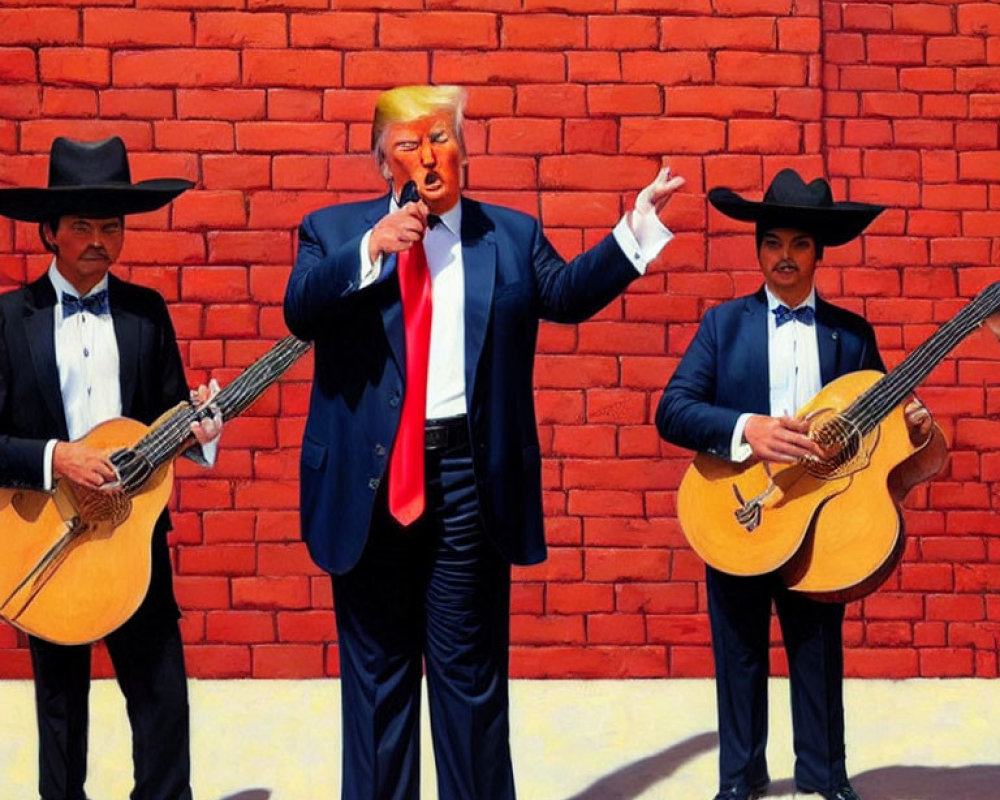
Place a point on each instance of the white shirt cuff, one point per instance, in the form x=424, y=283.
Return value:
x=370, y=270
x=643, y=240
x=50, y=448
x=739, y=450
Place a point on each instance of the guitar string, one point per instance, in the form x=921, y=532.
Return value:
x=874, y=404
x=163, y=441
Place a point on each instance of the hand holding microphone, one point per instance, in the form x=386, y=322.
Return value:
x=399, y=230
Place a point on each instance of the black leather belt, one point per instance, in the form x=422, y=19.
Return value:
x=440, y=434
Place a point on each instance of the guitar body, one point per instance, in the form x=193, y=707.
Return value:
x=750, y=519
x=100, y=574
x=857, y=539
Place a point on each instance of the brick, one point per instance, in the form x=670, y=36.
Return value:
x=671, y=69
x=621, y=32
x=236, y=172
x=126, y=27
x=685, y=136
x=760, y=69
x=308, y=137
x=978, y=18
x=243, y=627
x=288, y=661
x=706, y=33
x=240, y=30
x=35, y=26
x=20, y=101
x=593, y=67
x=226, y=104
x=177, y=67
x=136, y=103
x=18, y=64
x=339, y=30
x=765, y=136
x=296, y=68
x=217, y=661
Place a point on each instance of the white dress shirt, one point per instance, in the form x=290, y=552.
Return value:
x=792, y=366
x=443, y=248
x=88, y=362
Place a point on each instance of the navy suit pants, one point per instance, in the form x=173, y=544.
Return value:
x=436, y=593
x=740, y=612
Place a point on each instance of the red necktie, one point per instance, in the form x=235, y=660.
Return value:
x=406, y=464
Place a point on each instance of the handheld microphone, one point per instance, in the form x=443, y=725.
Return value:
x=408, y=194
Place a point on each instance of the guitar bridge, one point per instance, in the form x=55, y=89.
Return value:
x=751, y=511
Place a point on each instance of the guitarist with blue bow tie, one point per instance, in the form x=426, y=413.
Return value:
x=78, y=347
x=753, y=363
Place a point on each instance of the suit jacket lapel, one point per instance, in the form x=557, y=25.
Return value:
x=128, y=330
x=828, y=342
x=39, y=326
x=753, y=351
x=479, y=263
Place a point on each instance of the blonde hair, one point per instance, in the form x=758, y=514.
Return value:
x=407, y=103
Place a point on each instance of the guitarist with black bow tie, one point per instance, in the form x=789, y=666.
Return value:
x=78, y=347
x=752, y=364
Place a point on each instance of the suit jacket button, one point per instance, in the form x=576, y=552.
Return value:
x=373, y=483
x=394, y=400
x=380, y=450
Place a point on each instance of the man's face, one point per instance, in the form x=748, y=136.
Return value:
x=86, y=248
x=787, y=258
x=426, y=152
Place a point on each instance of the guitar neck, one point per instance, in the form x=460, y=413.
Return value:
x=164, y=441
x=871, y=407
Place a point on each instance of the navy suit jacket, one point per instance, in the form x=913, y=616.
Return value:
x=513, y=278
x=724, y=372
x=151, y=379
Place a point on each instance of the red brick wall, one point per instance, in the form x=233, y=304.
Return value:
x=265, y=103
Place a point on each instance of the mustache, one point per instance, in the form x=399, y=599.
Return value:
x=94, y=251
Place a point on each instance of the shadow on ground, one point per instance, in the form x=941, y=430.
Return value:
x=635, y=778
x=973, y=782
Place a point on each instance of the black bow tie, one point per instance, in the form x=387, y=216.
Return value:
x=804, y=314
x=432, y=220
x=96, y=303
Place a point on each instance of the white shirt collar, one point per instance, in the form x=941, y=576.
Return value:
x=773, y=302
x=62, y=285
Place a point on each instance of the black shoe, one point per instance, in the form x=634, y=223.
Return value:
x=736, y=793
x=843, y=792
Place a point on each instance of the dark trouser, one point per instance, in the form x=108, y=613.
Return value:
x=438, y=591
x=740, y=613
x=149, y=664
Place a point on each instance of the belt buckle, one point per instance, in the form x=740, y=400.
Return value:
x=435, y=437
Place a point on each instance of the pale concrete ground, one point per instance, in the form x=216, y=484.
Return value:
x=572, y=740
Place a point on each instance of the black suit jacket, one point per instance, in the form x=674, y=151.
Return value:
x=724, y=371
x=151, y=378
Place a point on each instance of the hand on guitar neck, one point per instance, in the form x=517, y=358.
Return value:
x=89, y=466
x=993, y=323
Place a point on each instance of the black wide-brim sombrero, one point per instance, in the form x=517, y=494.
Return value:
x=790, y=202
x=91, y=179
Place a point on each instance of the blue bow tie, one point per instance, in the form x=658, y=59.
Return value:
x=804, y=314
x=96, y=304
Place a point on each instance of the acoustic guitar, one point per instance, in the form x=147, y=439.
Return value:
x=77, y=561
x=833, y=523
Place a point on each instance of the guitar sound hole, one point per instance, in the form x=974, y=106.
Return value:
x=841, y=441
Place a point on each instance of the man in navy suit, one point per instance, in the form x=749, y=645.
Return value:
x=752, y=364
x=78, y=346
x=420, y=550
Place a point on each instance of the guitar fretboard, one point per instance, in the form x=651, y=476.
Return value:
x=165, y=440
x=871, y=407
